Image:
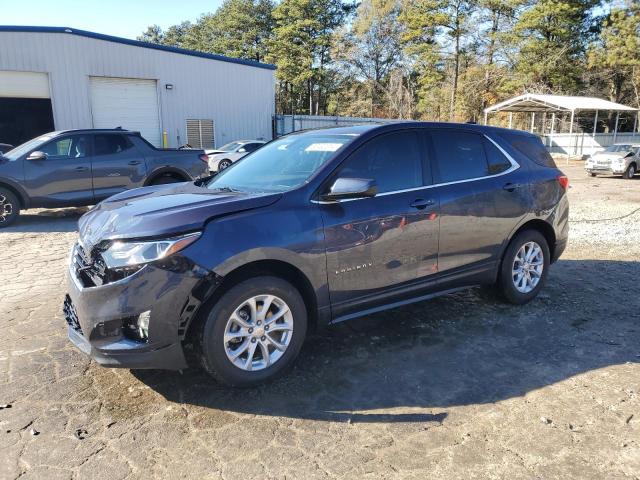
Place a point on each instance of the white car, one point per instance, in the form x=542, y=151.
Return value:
x=619, y=159
x=223, y=157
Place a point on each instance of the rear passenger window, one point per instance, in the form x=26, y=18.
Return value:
x=531, y=147
x=498, y=163
x=459, y=155
x=110, y=144
x=393, y=160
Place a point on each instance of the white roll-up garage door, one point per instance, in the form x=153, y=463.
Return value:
x=24, y=84
x=128, y=103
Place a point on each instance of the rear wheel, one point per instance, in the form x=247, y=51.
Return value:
x=224, y=164
x=166, y=178
x=524, y=267
x=629, y=172
x=592, y=174
x=254, y=332
x=9, y=207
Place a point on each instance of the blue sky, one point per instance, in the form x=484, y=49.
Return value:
x=121, y=18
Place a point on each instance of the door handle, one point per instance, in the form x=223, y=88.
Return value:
x=134, y=162
x=82, y=169
x=510, y=187
x=421, y=203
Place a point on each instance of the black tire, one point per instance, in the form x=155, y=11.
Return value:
x=629, y=172
x=166, y=179
x=9, y=207
x=212, y=347
x=592, y=174
x=505, y=286
x=225, y=163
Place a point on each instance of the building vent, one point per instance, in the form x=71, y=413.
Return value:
x=200, y=133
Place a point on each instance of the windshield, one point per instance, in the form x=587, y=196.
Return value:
x=281, y=165
x=229, y=147
x=617, y=148
x=32, y=144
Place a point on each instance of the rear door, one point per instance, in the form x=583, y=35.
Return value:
x=117, y=164
x=64, y=177
x=381, y=247
x=482, y=196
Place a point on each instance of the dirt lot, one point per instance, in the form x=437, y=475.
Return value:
x=459, y=387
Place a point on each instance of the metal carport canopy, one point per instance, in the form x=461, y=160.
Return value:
x=531, y=102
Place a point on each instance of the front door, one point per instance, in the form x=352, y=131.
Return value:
x=117, y=165
x=63, y=178
x=381, y=247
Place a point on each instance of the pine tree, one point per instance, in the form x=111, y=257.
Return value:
x=553, y=38
x=301, y=49
x=239, y=28
x=370, y=49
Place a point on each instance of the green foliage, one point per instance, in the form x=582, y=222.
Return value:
x=301, y=48
x=239, y=28
x=369, y=50
x=430, y=59
x=553, y=38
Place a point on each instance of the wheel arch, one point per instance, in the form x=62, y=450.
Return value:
x=539, y=225
x=274, y=268
x=173, y=171
x=22, y=197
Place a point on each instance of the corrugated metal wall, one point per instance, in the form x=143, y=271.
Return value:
x=238, y=98
x=292, y=123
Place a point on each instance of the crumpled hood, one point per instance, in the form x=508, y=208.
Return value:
x=163, y=210
x=609, y=155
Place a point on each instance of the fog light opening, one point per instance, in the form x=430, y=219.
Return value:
x=137, y=328
x=143, y=324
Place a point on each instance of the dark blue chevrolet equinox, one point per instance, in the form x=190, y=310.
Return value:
x=313, y=228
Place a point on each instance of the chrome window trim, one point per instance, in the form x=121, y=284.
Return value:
x=514, y=166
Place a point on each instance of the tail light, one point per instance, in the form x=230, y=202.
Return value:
x=563, y=181
x=204, y=157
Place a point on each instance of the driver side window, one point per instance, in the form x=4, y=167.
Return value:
x=393, y=160
x=74, y=146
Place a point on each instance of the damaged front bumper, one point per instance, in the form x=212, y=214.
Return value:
x=103, y=321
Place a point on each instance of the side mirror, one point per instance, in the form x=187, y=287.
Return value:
x=242, y=150
x=344, y=188
x=37, y=155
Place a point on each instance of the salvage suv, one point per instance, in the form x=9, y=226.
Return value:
x=73, y=168
x=313, y=228
x=619, y=159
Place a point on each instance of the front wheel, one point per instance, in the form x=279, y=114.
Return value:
x=254, y=332
x=9, y=207
x=592, y=174
x=524, y=267
x=629, y=172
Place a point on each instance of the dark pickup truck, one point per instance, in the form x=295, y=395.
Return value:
x=83, y=167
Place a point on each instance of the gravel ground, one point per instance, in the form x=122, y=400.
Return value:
x=459, y=387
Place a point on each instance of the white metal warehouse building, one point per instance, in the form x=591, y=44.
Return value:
x=56, y=78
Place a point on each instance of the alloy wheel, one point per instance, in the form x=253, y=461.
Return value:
x=527, y=268
x=258, y=332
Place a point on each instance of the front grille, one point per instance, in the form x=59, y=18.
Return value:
x=88, y=269
x=70, y=314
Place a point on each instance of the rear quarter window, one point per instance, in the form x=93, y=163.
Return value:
x=531, y=147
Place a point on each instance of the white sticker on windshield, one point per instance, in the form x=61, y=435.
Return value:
x=323, y=147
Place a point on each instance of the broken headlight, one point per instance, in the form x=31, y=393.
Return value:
x=124, y=254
